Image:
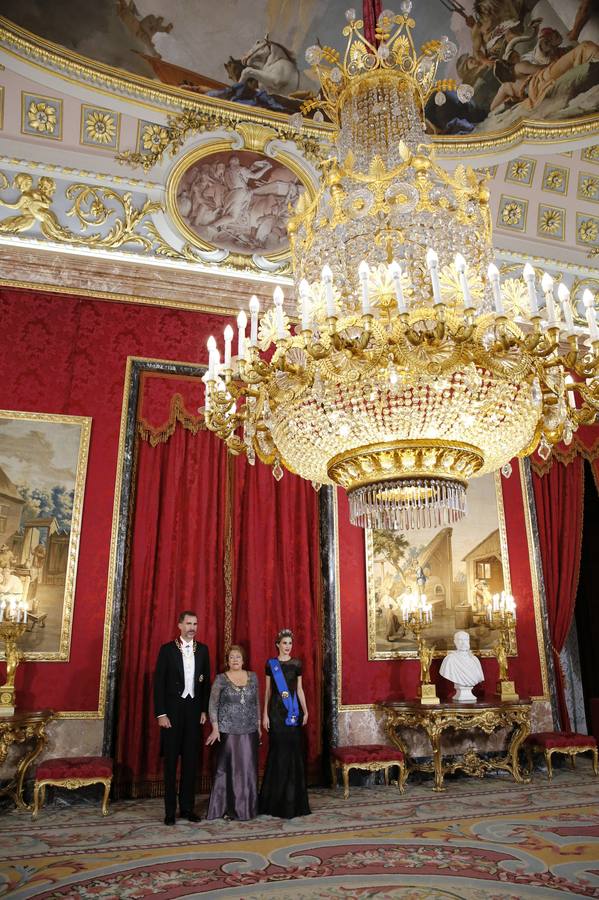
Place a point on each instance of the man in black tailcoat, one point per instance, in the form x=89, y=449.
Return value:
x=181, y=693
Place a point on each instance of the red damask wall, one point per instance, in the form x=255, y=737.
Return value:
x=68, y=355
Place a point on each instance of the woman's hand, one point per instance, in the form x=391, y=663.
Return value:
x=305, y=718
x=213, y=736
x=266, y=722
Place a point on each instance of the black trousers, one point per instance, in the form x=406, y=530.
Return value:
x=182, y=739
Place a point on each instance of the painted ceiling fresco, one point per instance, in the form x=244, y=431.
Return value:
x=524, y=59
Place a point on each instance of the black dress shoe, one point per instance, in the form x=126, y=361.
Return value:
x=169, y=820
x=191, y=817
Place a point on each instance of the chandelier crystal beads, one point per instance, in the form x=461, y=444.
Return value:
x=412, y=367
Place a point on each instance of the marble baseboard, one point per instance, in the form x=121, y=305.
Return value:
x=66, y=737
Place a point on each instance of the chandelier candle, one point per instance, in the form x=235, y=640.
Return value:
x=364, y=272
x=241, y=326
x=228, y=341
x=460, y=264
x=254, y=310
x=412, y=370
x=280, y=321
x=306, y=306
x=432, y=261
x=395, y=272
x=564, y=296
x=493, y=273
x=547, y=285
x=529, y=278
x=589, y=303
x=327, y=278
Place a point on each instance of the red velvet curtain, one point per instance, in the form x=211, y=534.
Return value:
x=176, y=562
x=276, y=577
x=225, y=539
x=371, y=10
x=559, y=502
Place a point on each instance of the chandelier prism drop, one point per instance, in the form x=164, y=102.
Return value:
x=411, y=368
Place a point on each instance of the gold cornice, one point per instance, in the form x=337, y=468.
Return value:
x=543, y=261
x=110, y=81
x=102, y=177
x=526, y=131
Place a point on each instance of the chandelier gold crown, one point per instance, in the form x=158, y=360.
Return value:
x=393, y=53
x=412, y=368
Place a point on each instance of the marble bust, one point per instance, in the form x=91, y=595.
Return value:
x=463, y=668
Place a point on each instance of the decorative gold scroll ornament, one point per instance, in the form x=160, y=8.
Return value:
x=91, y=207
x=181, y=127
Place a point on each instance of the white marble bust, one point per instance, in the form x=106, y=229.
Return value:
x=463, y=668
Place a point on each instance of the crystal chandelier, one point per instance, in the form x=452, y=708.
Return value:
x=411, y=368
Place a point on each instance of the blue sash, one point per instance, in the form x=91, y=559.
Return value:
x=289, y=700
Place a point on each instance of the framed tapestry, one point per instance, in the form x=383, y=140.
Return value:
x=43, y=464
x=463, y=566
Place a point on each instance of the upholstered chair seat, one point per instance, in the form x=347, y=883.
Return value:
x=567, y=743
x=72, y=772
x=372, y=758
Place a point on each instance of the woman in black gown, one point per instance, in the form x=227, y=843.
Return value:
x=284, y=791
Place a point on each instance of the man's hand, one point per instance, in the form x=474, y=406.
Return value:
x=203, y=718
x=164, y=721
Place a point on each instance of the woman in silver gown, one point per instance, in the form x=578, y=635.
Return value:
x=234, y=712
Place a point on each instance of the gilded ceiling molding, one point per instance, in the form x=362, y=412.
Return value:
x=203, y=110
x=15, y=162
x=91, y=207
x=181, y=127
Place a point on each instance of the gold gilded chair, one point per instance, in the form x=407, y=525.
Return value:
x=567, y=743
x=72, y=773
x=370, y=757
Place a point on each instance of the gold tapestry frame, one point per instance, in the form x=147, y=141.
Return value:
x=373, y=653
x=84, y=423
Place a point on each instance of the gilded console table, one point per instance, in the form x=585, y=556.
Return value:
x=22, y=728
x=486, y=716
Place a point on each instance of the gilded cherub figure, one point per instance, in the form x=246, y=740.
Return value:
x=34, y=206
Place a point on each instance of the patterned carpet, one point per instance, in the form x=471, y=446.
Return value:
x=489, y=839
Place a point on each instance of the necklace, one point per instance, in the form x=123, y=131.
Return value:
x=179, y=644
x=240, y=688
